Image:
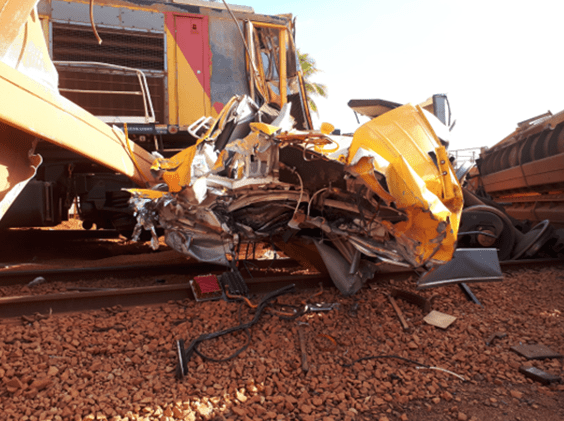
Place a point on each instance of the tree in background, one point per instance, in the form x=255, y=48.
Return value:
x=309, y=69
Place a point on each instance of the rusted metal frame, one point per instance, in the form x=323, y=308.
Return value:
x=251, y=59
x=520, y=134
x=399, y=313
x=305, y=101
x=526, y=176
x=282, y=71
x=520, y=164
x=531, y=199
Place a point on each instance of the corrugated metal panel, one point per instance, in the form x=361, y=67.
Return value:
x=103, y=104
x=143, y=51
x=107, y=15
x=133, y=49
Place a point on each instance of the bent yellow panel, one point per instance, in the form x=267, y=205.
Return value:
x=401, y=132
x=37, y=110
x=432, y=225
x=28, y=52
x=31, y=104
x=13, y=14
x=402, y=140
x=18, y=164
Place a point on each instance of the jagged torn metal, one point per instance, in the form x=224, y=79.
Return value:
x=388, y=194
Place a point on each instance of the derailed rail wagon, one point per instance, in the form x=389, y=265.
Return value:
x=524, y=175
x=526, y=170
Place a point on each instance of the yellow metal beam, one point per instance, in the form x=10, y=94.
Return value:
x=32, y=108
x=268, y=25
x=283, y=72
x=13, y=14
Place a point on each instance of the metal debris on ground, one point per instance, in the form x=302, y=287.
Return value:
x=412, y=298
x=467, y=265
x=539, y=375
x=320, y=307
x=535, y=351
x=322, y=337
x=438, y=319
x=469, y=294
x=497, y=335
x=303, y=348
x=353, y=309
x=398, y=311
x=235, y=283
x=37, y=281
x=186, y=353
x=388, y=194
x=206, y=287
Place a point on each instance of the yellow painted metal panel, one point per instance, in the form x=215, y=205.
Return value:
x=37, y=110
x=172, y=77
x=13, y=14
x=192, y=101
x=18, y=164
x=283, y=71
x=401, y=141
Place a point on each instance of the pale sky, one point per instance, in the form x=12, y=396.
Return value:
x=499, y=61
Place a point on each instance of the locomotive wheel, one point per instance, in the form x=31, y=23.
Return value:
x=498, y=230
x=533, y=240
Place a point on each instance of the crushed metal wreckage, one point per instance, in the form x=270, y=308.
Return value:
x=346, y=204
x=387, y=194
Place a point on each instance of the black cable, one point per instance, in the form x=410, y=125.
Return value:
x=185, y=355
x=247, y=268
x=236, y=353
x=375, y=357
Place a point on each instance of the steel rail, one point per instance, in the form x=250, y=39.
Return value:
x=20, y=277
x=125, y=297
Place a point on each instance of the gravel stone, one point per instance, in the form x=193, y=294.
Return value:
x=119, y=363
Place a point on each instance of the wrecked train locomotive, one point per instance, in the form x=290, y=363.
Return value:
x=164, y=68
x=388, y=194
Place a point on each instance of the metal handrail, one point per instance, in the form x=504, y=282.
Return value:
x=466, y=154
x=147, y=103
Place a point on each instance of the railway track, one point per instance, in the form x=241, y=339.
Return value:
x=89, y=298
